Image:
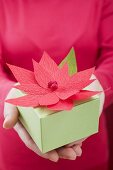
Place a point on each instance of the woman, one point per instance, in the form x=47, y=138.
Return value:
x=27, y=28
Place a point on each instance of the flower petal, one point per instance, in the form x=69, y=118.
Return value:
x=84, y=95
x=24, y=101
x=32, y=89
x=41, y=75
x=79, y=85
x=81, y=78
x=48, y=63
x=62, y=76
x=62, y=105
x=84, y=75
x=48, y=99
x=22, y=75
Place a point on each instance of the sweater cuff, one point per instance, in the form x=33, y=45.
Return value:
x=107, y=88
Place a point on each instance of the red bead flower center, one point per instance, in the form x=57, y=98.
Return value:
x=53, y=85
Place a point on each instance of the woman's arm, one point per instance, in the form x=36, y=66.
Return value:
x=104, y=65
x=5, y=82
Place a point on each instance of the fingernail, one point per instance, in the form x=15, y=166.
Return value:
x=78, y=150
x=3, y=125
x=72, y=158
x=79, y=154
x=6, y=123
x=53, y=160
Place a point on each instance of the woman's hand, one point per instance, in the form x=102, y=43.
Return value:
x=96, y=86
x=11, y=115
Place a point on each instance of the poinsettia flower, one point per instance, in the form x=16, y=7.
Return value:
x=50, y=85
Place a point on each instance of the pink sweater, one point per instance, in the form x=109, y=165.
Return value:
x=29, y=27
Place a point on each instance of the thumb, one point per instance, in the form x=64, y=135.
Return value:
x=11, y=115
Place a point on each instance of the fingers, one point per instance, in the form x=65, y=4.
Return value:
x=77, y=150
x=52, y=155
x=25, y=137
x=11, y=115
x=66, y=153
x=10, y=112
x=74, y=150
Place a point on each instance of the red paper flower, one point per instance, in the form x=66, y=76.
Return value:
x=50, y=85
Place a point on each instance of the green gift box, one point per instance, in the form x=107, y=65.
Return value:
x=52, y=129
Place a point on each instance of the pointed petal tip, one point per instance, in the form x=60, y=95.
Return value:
x=10, y=65
x=84, y=95
x=10, y=101
x=45, y=53
x=33, y=61
x=24, y=101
